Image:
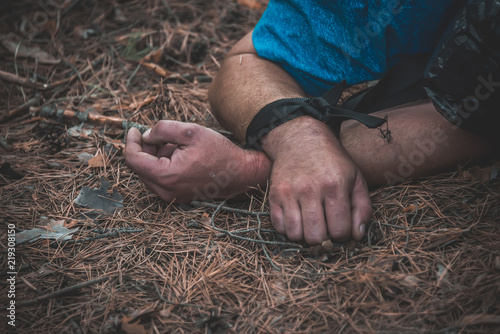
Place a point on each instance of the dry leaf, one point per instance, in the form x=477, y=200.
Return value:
x=327, y=245
x=325, y=248
x=117, y=143
x=71, y=224
x=156, y=68
x=409, y=208
x=50, y=230
x=45, y=270
x=119, y=16
x=477, y=174
x=97, y=108
x=441, y=273
x=205, y=219
x=157, y=55
x=410, y=281
x=98, y=160
x=278, y=291
x=497, y=262
x=130, y=327
x=478, y=280
x=84, y=157
x=23, y=51
x=51, y=27
x=438, y=240
x=44, y=223
x=154, y=56
x=83, y=33
x=144, y=102
x=165, y=313
x=99, y=199
x=250, y=3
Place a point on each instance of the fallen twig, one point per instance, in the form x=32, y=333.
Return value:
x=32, y=102
x=15, y=79
x=277, y=243
x=230, y=209
x=116, y=122
x=62, y=291
x=264, y=249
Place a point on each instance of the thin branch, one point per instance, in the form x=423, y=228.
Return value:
x=17, y=80
x=230, y=209
x=62, y=291
x=218, y=208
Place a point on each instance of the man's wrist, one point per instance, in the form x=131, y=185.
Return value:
x=296, y=133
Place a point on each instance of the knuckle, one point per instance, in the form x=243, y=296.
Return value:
x=334, y=189
x=336, y=181
x=332, y=183
x=281, y=189
x=189, y=131
x=306, y=189
x=161, y=126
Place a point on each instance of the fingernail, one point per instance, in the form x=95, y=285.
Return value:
x=145, y=134
x=362, y=228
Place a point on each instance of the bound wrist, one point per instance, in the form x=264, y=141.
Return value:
x=296, y=134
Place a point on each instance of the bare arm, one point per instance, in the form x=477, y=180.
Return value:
x=245, y=84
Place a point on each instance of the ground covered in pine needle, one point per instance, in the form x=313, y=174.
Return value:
x=130, y=263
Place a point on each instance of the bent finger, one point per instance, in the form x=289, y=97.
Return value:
x=150, y=149
x=292, y=219
x=170, y=132
x=338, y=215
x=144, y=164
x=313, y=221
x=133, y=142
x=361, y=208
x=277, y=218
x=167, y=150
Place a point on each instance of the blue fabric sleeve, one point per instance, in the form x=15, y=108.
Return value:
x=321, y=43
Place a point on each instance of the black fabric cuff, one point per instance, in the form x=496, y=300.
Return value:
x=280, y=112
x=321, y=108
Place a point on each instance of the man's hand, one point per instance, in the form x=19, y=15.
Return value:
x=183, y=162
x=316, y=189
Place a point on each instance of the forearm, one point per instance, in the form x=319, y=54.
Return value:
x=245, y=84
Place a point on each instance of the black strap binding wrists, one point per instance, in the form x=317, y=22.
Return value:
x=322, y=108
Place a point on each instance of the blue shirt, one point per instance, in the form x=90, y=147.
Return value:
x=321, y=43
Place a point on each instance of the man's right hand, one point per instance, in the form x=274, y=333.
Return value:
x=317, y=191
